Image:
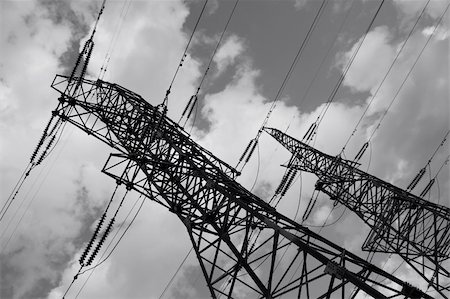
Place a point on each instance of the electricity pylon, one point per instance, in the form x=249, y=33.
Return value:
x=400, y=222
x=245, y=248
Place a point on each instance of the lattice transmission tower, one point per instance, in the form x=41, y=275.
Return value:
x=245, y=248
x=400, y=222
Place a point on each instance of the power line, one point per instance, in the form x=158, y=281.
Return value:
x=409, y=72
x=385, y=76
x=50, y=136
x=430, y=184
x=250, y=148
x=341, y=25
x=14, y=230
x=422, y=171
x=84, y=261
x=103, y=238
x=180, y=64
x=35, y=160
x=123, y=13
x=342, y=76
x=102, y=260
x=193, y=100
x=322, y=63
x=176, y=272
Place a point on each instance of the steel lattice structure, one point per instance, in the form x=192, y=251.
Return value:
x=244, y=246
x=400, y=222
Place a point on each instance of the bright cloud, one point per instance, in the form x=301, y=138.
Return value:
x=228, y=53
x=364, y=75
x=42, y=258
x=300, y=3
x=59, y=221
x=411, y=9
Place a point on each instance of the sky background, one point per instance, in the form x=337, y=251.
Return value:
x=49, y=223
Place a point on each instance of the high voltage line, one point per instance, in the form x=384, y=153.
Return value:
x=233, y=232
x=245, y=157
x=385, y=76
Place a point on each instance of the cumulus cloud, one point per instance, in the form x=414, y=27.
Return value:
x=35, y=250
x=416, y=107
x=439, y=33
x=42, y=259
x=364, y=74
x=418, y=117
x=300, y=3
x=228, y=53
x=59, y=211
x=410, y=9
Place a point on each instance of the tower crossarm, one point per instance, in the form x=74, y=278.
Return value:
x=119, y=117
x=400, y=222
x=244, y=246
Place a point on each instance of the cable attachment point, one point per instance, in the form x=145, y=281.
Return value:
x=416, y=179
x=427, y=188
x=252, y=150
x=311, y=132
x=194, y=99
x=310, y=207
x=102, y=240
x=283, y=182
x=361, y=151
x=291, y=176
x=246, y=150
x=91, y=242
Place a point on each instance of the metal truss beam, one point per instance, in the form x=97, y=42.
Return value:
x=400, y=222
x=244, y=246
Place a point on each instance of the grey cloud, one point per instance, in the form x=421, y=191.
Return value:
x=190, y=284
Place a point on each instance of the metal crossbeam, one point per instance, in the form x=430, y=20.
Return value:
x=400, y=222
x=244, y=246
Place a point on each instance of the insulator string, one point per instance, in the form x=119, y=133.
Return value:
x=112, y=44
x=210, y=61
x=322, y=63
x=430, y=184
x=289, y=73
x=310, y=133
x=336, y=88
x=33, y=162
x=92, y=269
x=361, y=152
x=384, y=78
x=416, y=179
x=183, y=57
x=444, y=140
x=97, y=230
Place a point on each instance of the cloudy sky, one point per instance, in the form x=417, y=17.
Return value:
x=47, y=226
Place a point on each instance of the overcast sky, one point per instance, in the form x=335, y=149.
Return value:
x=52, y=218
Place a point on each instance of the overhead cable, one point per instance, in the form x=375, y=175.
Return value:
x=433, y=180
x=183, y=57
x=102, y=258
x=322, y=63
x=297, y=57
x=112, y=44
x=384, y=79
x=175, y=274
x=193, y=100
x=409, y=72
x=422, y=171
x=52, y=128
x=344, y=73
